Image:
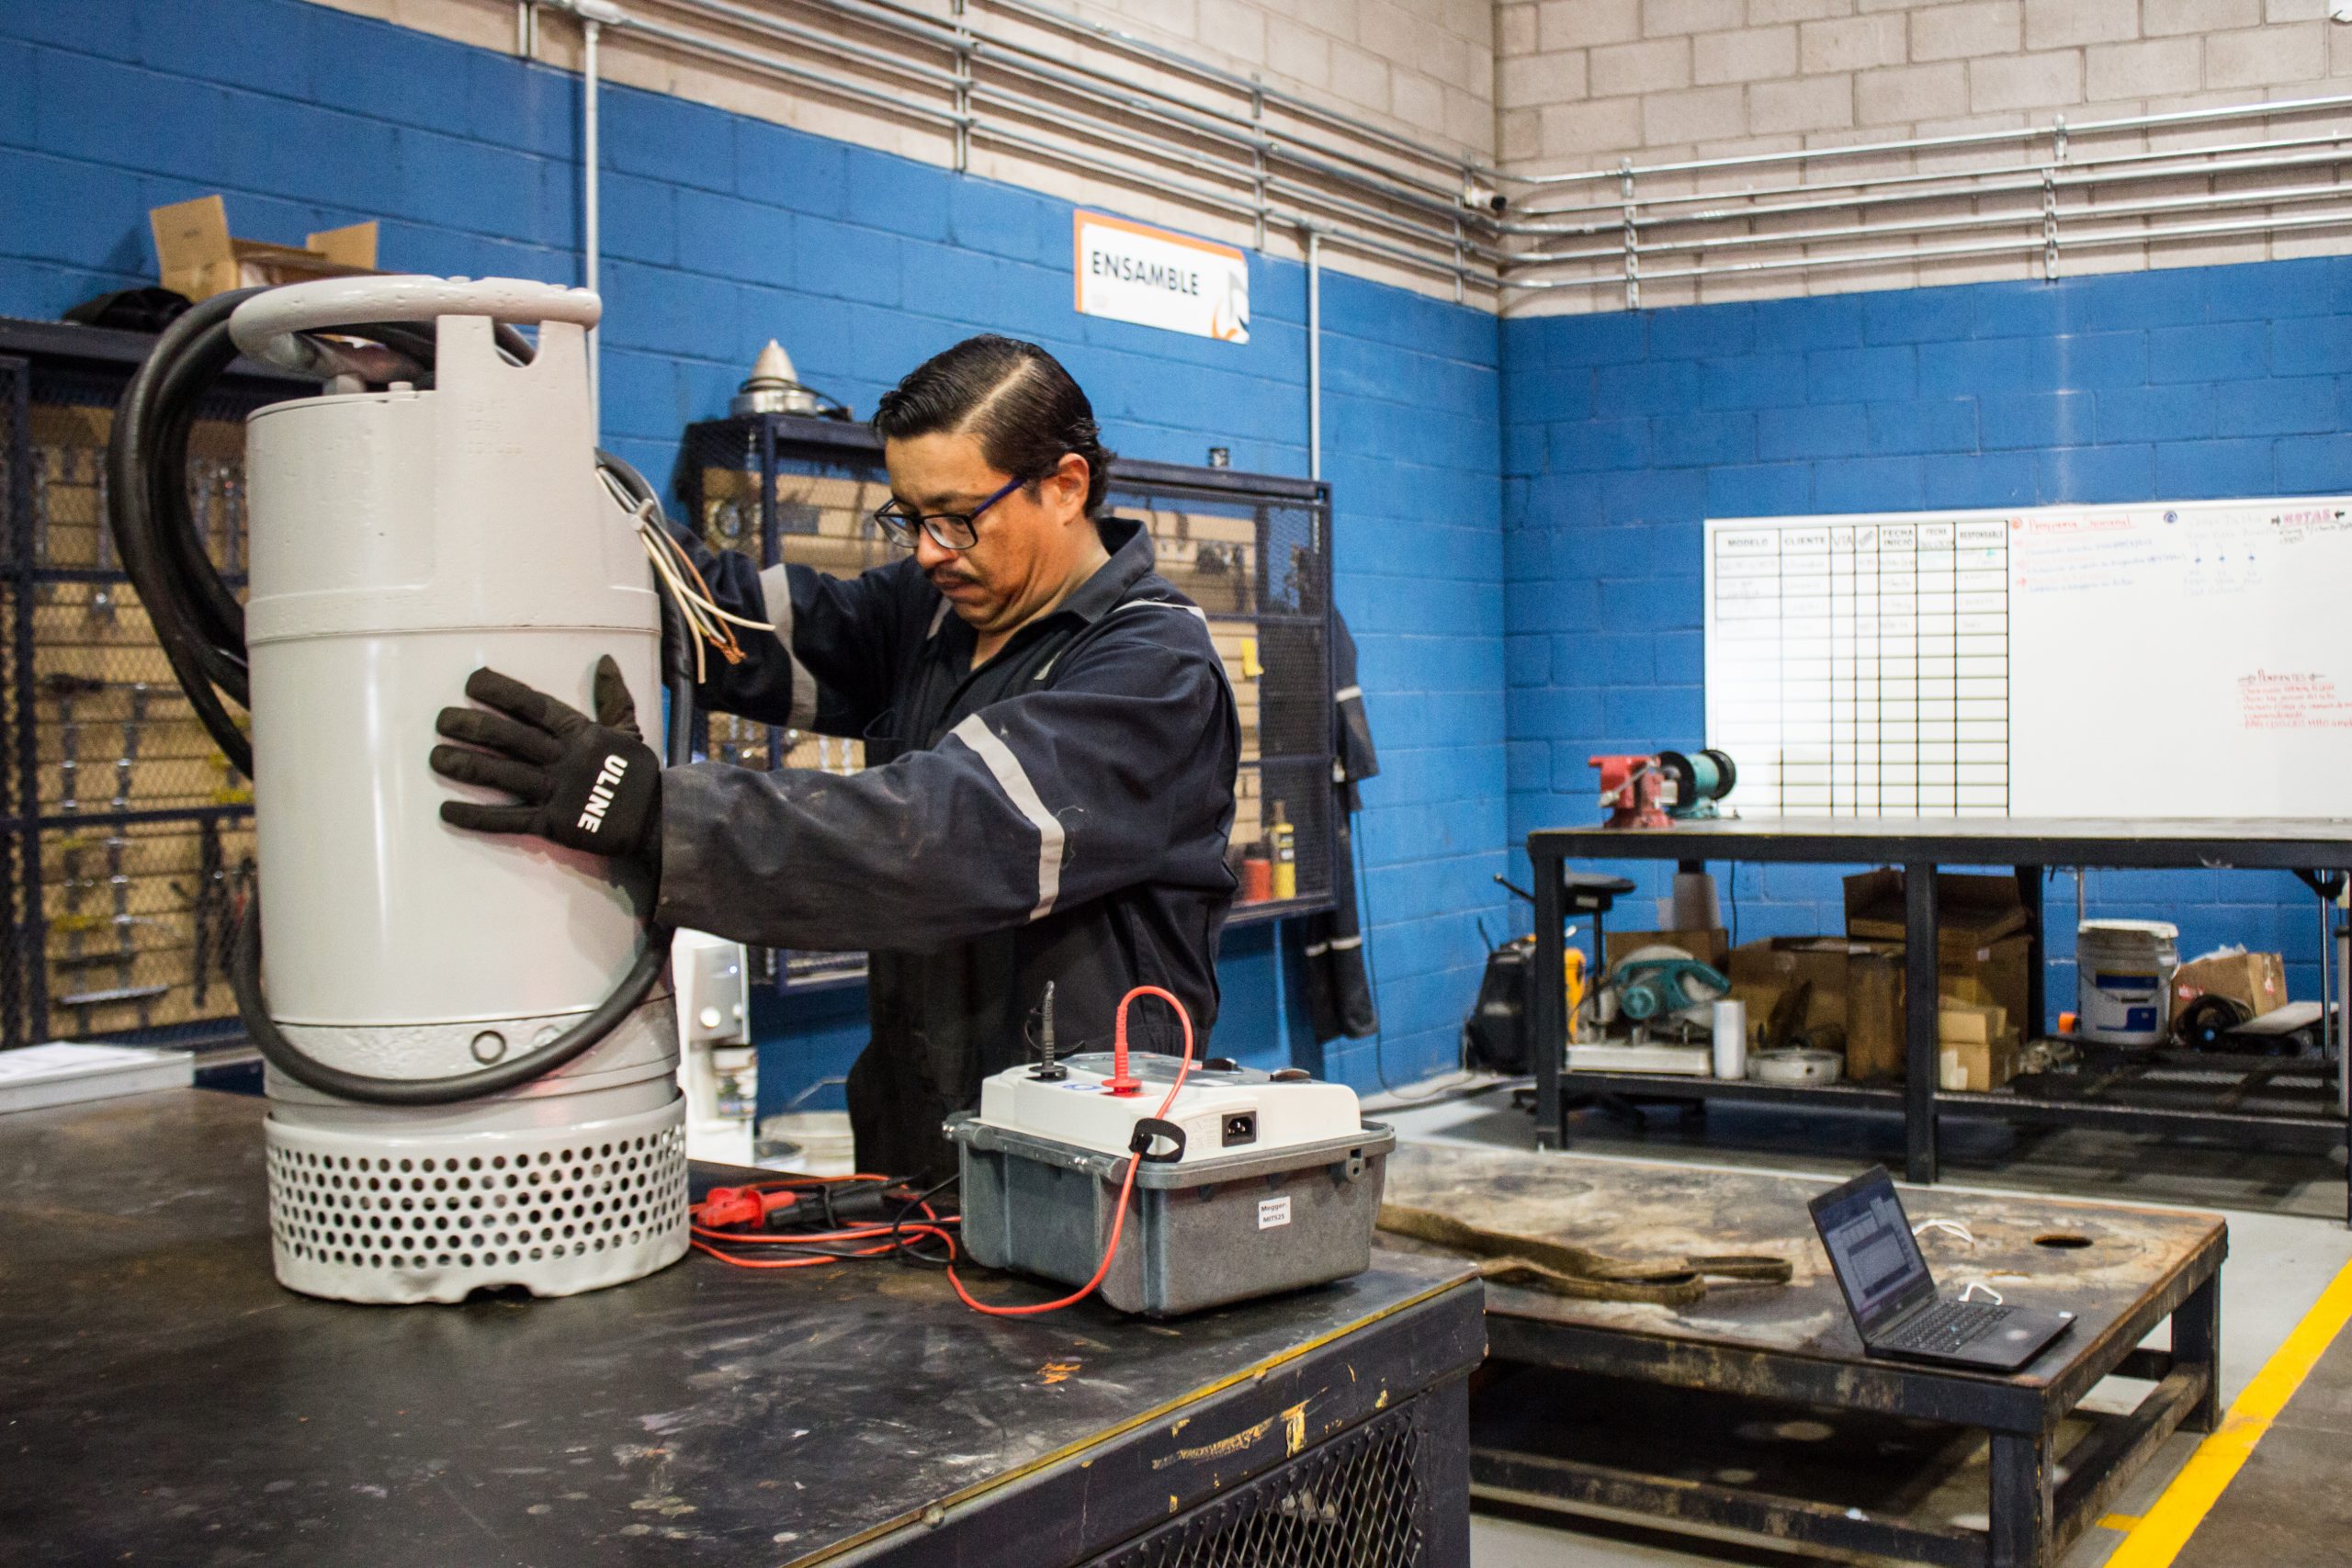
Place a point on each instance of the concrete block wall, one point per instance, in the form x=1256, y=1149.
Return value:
x=1421, y=69
x=1622, y=432
x=1581, y=84
x=724, y=228
x=1424, y=67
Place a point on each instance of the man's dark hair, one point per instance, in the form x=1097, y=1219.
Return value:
x=1014, y=397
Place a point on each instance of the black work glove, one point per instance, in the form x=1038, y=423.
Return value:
x=592, y=786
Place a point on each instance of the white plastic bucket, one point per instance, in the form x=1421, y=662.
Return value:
x=810, y=1143
x=2123, y=977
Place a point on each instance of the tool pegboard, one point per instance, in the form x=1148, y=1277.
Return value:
x=126, y=838
x=1253, y=550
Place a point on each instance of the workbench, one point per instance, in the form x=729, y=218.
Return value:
x=1755, y=1410
x=2269, y=1102
x=163, y=1400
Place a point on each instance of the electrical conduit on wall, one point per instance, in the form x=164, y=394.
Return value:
x=594, y=15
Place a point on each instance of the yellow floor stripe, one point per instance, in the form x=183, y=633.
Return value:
x=2119, y=1522
x=2158, y=1538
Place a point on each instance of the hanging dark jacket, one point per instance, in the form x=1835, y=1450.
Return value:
x=1339, y=988
x=1060, y=814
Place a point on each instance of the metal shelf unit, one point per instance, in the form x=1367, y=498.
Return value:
x=2265, y=1100
x=126, y=841
x=1253, y=550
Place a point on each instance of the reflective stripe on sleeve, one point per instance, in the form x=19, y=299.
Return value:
x=775, y=597
x=1007, y=771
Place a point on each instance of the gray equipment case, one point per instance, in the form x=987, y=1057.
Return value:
x=1200, y=1234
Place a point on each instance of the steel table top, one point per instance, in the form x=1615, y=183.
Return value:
x=2284, y=844
x=2105, y=1263
x=163, y=1400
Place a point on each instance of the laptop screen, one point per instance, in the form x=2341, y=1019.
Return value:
x=1870, y=1245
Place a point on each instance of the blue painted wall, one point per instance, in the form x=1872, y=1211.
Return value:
x=1622, y=432
x=722, y=231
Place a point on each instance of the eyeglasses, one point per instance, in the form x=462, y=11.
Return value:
x=948, y=530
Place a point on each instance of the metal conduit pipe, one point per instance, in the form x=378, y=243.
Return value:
x=592, y=16
x=2264, y=110
x=1203, y=125
x=735, y=54
x=973, y=39
x=1895, y=189
x=2035, y=216
x=2032, y=188
x=1017, y=58
x=1191, y=159
x=1241, y=207
x=1314, y=351
x=1309, y=193
x=775, y=27
x=1232, y=81
x=2077, y=241
x=1450, y=264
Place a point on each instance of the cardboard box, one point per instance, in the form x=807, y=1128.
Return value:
x=1999, y=974
x=1874, y=1013
x=1980, y=1065
x=2257, y=979
x=1966, y=1023
x=198, y=258
x=1762, y=973
x=1970, y=911
x=1859, y=987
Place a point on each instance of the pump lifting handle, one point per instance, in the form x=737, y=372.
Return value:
x=270, y=326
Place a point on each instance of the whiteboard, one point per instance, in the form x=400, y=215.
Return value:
x=2169, y=658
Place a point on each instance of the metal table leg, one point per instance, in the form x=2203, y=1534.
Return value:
x=1547, y=1022
x=2036, y=1022
x=2197, y=1339
x=1922, y=1064
x=2022, y=1509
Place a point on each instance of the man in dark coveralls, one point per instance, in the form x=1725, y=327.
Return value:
x=1050, y=744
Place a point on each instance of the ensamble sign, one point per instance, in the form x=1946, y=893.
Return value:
x=1132, y=271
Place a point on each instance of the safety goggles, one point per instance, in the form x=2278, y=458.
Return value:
x=948, y=530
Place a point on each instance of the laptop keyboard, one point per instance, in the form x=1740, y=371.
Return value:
x=1946, y=1325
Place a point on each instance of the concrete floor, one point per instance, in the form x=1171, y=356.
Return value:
x=2288, y=1240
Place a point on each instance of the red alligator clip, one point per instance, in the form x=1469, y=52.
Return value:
x=741, y=1205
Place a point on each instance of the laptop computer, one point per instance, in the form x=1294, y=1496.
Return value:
x=1894, y=1298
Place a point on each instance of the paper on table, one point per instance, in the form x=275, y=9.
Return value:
x=64, y=1057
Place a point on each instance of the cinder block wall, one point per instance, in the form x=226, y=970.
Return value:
x=1582, y=83
x=723, y=230
x=1421, y=69
x=1622, y=432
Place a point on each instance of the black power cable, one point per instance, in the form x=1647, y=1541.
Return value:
x=202, y=626
x=904, y=1249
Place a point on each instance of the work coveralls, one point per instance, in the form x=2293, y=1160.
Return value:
x=1059, y=814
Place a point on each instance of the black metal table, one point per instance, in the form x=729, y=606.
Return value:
x=163, y=1400
x=1921, y=846
x=1755, y=1410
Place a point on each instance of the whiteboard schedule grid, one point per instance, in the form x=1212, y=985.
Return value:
x=2163, y=659
x=1860, y=666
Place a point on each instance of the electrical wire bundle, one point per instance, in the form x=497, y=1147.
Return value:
x=741, y=1225
x=701, y=620
x=796, y=1222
